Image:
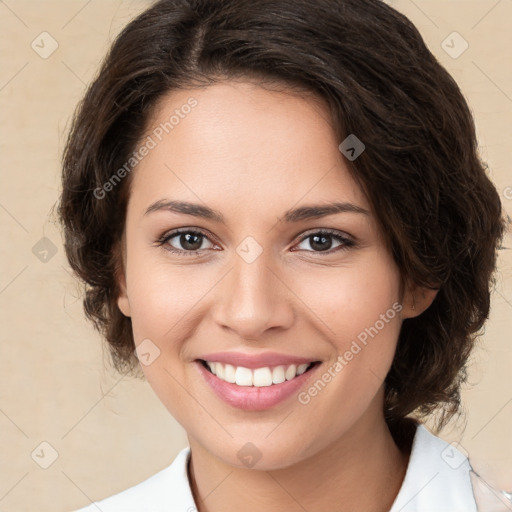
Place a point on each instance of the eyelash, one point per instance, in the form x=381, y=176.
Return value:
x=160, y=242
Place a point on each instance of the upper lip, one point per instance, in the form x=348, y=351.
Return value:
x=256, y=360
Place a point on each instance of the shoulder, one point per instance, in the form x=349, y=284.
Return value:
x=166, y=490
x=437, y=478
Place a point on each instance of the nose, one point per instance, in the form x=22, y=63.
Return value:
x=252, y=299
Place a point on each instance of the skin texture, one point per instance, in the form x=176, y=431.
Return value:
x=252, y=154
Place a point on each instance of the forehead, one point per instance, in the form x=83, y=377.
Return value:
x=241, y=142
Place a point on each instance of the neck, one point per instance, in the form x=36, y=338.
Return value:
x=363, y=470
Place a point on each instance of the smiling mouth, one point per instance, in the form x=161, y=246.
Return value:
x=257, y=377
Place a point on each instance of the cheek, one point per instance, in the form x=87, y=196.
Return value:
x=164, y=300
x=360, y=312
x=349, y=299
x=163, y=294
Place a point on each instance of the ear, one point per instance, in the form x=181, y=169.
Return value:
x=122, y=300
x=417, y=300
x=120, y=276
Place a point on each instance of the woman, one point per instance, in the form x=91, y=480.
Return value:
x=282, y=219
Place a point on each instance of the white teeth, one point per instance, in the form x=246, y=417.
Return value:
x=259, y=377
x=262, y=377
x=291, y=371
x=219, y=370
x=278, y=375
x=302, y=368
x=243, y=376
x=229, y=373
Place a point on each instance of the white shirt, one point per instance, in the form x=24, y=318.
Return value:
x=437, y=480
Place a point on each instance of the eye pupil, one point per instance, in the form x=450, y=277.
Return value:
x=321, y=242
x=191, y=241
x=188, y=244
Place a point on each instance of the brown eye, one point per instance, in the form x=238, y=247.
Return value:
x=186, y=242
x=322, y=241
x=190, y=241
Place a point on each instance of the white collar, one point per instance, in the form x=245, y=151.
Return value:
x=437, y=480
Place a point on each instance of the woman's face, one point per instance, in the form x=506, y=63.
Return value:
x=274, y=276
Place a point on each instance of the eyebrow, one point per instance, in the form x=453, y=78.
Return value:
x=295, y=215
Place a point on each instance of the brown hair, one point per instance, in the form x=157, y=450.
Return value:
x=438, y=210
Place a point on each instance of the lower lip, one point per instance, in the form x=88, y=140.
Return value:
x=253, y=398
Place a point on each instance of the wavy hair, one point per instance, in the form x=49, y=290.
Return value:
x=439, y=212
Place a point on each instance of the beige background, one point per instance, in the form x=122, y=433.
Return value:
x=110, y=432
